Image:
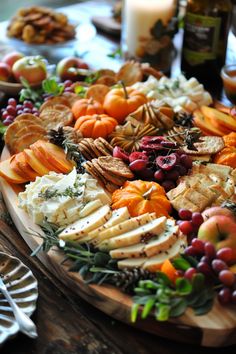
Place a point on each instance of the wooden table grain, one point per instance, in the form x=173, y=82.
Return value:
x=66, y=323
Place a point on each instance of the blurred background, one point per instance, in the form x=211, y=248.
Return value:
x=9, y=7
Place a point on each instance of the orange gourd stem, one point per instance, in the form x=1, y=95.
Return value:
x=124, y=88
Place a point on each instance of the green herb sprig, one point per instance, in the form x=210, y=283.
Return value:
x=165, y=300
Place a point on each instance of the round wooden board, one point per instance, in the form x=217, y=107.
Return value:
x=215, y=329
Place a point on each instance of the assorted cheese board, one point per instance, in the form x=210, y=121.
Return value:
x=130, y=176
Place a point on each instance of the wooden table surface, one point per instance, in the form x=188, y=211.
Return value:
x=66, y=323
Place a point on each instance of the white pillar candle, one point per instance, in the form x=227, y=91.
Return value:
x=140, y=16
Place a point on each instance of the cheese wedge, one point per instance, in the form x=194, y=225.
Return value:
x=156, y=245
x=81, y=227
x=133, y=237
x=125, y=226
x=154, y=263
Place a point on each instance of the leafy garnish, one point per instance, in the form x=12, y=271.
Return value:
x=80, y=91
x=52, y=87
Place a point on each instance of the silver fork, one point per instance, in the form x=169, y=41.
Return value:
x=26, y=325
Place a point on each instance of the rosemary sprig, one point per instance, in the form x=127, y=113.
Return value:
x=51, y=193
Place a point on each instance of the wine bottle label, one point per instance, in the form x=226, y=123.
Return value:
x=201, y=37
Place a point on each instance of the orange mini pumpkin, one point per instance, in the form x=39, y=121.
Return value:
x=86, y=106
x=95, y=126
x=142, y=197
x=120, y=102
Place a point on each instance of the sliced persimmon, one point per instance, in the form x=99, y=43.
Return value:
x=8, y=174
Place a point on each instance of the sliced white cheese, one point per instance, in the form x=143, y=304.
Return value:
x=118, y=216
x=161, y=242
x=131, y=263
x=154, y=263
x=89, y=208
x=125, y=226
x=154, y=246
x=81, y=227
x=154, y=227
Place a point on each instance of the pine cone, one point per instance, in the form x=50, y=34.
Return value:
x=128, y=279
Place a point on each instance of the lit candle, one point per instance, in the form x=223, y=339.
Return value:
x=140, y=18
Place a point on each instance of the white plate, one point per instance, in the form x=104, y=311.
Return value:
x=23, y=288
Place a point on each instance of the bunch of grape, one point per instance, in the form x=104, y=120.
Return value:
x=160, y=160
x=215, y=267
x=189, y=222
x=13, y=109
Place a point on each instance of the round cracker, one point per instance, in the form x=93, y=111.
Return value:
x=206, y=145
x=53, y=101
x=115, y=166
x=55, y=116
x=97, y=92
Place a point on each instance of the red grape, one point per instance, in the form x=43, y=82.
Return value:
x=67, y=83
x=5, y=114
x=185, y=214
x=227, y=277
x=205, y=259
x=210, y=250
x=197, y=219
x=225, y=296
x=198, y=245
x=225, y=254
x=19, y=112
x=190, y=251
x=172, y=175
x=27, y=110
x=8, y=120
x=159, y=175
x=205, y=269
x=12, y=102
x=186, y=227
x=182, y=170
x=11, y=110
x=218, y=265
x=190, y=273
x=68, y=89
x=186, y=160
x=28, y=104
x=138, y=165
x=168, y=185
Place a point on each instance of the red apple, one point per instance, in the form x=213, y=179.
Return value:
x=217, y=210
x=5, y=72
x=219, y=230
x=11, y=58
x=31, y=68
x=65, y=65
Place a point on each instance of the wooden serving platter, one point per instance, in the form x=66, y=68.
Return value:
x=216, y=329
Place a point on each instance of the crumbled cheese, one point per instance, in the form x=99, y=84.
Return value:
x=179, y=93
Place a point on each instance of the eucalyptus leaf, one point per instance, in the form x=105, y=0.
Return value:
x=162, y=296
x=148, y=307
x=205, y=308
x=101, y=259
x=178, y=307
x=162, y=278
x=134, y=312
x=183, y=286
x=162, y=312
x=198, y=282
x=181, y=263
x=191, y=260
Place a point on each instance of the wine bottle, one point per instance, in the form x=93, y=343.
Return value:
x=206, y=31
